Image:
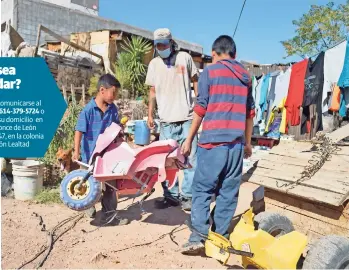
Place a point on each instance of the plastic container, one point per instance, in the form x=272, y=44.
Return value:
x=142, y=132
x=28, y=178
x=130, y=127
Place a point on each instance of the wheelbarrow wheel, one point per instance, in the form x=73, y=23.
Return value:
x=273, y=223
x=82, y=198
x=330, y=252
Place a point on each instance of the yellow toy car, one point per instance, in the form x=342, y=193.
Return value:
x=269, y=241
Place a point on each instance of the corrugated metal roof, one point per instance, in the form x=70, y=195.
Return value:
x=258, y=70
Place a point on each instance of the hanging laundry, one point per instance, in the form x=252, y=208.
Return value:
x=254, y=86
x=273, y=116
x=335, y=100
x=258, y=96
x=333, y=66
x=281, y=86
x=271, y=93
x=345, y=92
x=295, y=92
x=343, y=81
x=313, y=86
x=344, y=77
x=343, y=108
x=263, y=95
x=274, y=130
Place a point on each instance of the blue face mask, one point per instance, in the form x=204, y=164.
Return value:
x=165, y=53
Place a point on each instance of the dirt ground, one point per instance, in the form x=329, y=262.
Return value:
x=22, y=237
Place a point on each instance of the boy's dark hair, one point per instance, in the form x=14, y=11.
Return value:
x=107, y=81
x=224, y=44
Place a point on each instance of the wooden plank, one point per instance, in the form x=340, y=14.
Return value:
x=339, y=134
x=72, y=44
x=335, y=164
x=311, y=224
x=299, y=190
x=100, y=37
x=280, y=166
x=340, y=186
x=289, y=175
x=317, y=211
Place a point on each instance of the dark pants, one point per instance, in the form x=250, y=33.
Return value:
x=218, y=172
x=109, y=201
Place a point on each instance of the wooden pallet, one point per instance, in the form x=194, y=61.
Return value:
x=286, y=162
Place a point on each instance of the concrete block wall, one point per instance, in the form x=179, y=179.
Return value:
x=63, y=21
x=7, y=9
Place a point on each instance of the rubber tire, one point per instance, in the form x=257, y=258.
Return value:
x=328, y=253
x=91, y=199
x=270, y=222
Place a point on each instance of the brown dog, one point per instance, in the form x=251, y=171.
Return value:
x=64, y=158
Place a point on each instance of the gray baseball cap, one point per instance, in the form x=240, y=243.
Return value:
x=162, y=35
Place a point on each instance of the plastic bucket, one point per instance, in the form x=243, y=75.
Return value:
x=142, y=132
x=28, y=178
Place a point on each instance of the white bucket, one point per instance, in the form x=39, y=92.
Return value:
x=28, y=178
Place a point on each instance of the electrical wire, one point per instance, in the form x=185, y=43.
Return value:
x=237, y=24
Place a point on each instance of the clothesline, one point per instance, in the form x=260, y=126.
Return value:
x=343, y=40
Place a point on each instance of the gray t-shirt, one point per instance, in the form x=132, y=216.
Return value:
x=172, y=86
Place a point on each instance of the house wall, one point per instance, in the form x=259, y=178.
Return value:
x=69, y=4
x=64, y=21
x=7, y=11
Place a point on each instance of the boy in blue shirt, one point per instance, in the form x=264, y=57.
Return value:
x=97, y=115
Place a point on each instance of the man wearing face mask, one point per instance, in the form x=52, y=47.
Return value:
x=169, y=76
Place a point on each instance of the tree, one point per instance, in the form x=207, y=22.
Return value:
x=319, y=29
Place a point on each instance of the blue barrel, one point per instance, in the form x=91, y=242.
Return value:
x=142, y=132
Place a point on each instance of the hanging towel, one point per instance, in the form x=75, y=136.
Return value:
x=295, y=92
x=344, y=77
x=333, y=66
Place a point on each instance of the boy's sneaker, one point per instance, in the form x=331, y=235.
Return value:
x=186, y=204
x=193, y=248
x=91, y=212
x=116, y=221
x=166, y=202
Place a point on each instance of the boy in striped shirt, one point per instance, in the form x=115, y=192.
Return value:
x=225, y=107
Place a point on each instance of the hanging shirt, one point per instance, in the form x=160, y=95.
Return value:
x=258, y=96
x=295, y=92
x=334, y=103
x=281, y=86
x=263, y=95
x=313, y=84
x=343, y=108
x=271, y=93
x=344, y=77
x=333, y=66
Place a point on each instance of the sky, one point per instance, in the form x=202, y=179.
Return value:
x=263, y=24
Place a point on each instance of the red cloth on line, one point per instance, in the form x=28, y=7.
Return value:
x=296, y=92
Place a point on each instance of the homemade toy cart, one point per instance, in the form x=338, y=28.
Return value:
x=129, y=171
x=269, y=241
